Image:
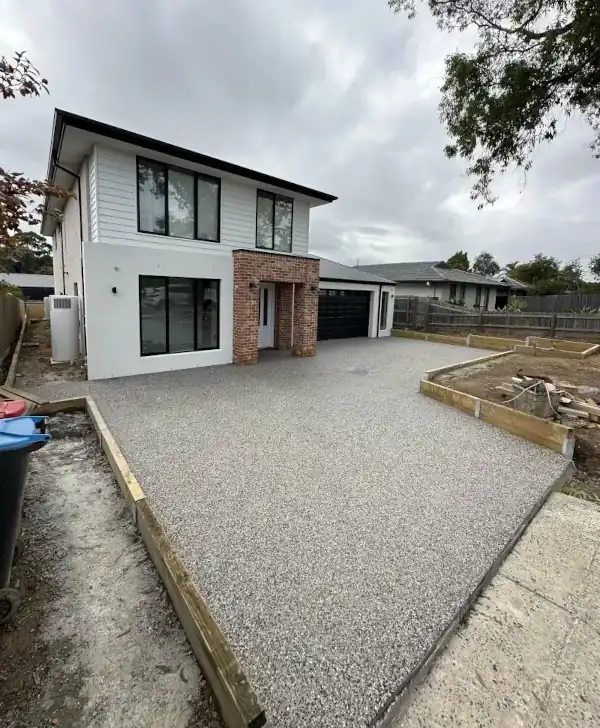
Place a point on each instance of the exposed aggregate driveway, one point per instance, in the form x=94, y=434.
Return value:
x=334, y=518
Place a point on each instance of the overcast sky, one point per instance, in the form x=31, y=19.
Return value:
x=340, y=95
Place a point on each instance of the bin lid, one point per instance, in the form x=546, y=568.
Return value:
x=13, y=408
x=17, y=433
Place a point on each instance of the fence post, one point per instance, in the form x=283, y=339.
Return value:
x=408, y=322
x=553, y=325
x=427, y=315
x=480, y=321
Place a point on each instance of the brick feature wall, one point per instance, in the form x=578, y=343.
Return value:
x=250, y=268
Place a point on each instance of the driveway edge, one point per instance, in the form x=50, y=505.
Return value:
x=237, y=701
x=395, y=706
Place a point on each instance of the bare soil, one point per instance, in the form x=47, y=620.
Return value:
x=480, y=380
x=96, y=643
x=34, y=360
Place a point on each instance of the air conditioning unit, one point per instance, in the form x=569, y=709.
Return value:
x=64, y=328
x=47, y=307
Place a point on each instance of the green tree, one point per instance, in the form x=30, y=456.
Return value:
x=594, y=266
x=571, y=275
x=535, y=61
x=459, y=261
x=485, y=265
x=33, y=254
x=545, y=274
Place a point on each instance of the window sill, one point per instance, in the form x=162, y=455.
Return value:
x=178, y=237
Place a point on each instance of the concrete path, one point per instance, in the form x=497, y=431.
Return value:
x=335, y=519
x=529, y=654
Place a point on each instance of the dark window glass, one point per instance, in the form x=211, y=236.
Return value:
x=181, y=314
x=153, y=315
x=209, y=193
x=478, y=296
x=274, y=219
x=181, y=204
x=151, y=197
x=283, y=224
x=264, y=220
x=453, y=291
x=178, y=315
x=384, y=310
x=208, y=315
x=178, y=202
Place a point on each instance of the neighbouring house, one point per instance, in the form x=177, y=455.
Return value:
x=181, y=260
x=437, y=280
x=34, y=286
x=515, y=289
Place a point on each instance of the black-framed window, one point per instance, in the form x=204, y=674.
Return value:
x=274, y=221
x=177, y=202
x=178, y=315
x=383, y=311
x=478, y=296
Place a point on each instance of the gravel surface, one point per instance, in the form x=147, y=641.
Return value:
x=334, y=518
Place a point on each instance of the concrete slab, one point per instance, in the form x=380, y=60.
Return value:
x=554, y=558
x=573, y=700
x=521, y=659
x=335, y=520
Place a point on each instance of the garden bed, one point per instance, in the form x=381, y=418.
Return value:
x=481, y=380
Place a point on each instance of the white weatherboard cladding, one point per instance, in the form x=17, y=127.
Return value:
x=114, y=178
x=113, y=319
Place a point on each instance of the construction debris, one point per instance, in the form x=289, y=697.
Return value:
x=539, y=395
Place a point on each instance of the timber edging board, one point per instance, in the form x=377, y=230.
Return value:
x=431, y=373
x=236, y=699
x=552, y=435
x=14, y=362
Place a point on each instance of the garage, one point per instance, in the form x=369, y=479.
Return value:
x=353, y=303
x=343, y=314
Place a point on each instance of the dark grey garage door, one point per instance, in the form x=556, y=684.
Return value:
x=343, y=314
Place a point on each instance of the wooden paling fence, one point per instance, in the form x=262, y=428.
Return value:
x=422, y=314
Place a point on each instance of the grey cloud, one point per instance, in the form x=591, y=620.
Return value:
x=329, y=93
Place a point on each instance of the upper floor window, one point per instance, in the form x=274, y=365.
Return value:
x=274, y=216
x=177, y=202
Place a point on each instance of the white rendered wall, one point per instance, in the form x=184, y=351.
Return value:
x=113, y=319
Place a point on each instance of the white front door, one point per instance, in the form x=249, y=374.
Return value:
x=266, y=316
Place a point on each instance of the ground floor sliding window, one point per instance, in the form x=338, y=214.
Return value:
x=178, y=315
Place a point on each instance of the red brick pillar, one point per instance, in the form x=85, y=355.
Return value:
x=245, y=310
x=306, y=302
x=283, y=312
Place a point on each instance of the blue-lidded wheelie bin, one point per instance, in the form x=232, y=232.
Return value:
x=19, y=437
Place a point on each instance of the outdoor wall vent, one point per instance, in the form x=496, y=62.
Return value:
x=60, y=302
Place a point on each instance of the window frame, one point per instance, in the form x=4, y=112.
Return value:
x=196, y=175
x=383, y=310
x=273, y=196
x=166, y=280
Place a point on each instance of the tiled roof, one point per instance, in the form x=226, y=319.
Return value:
x=329, y=269
x=432, y=271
